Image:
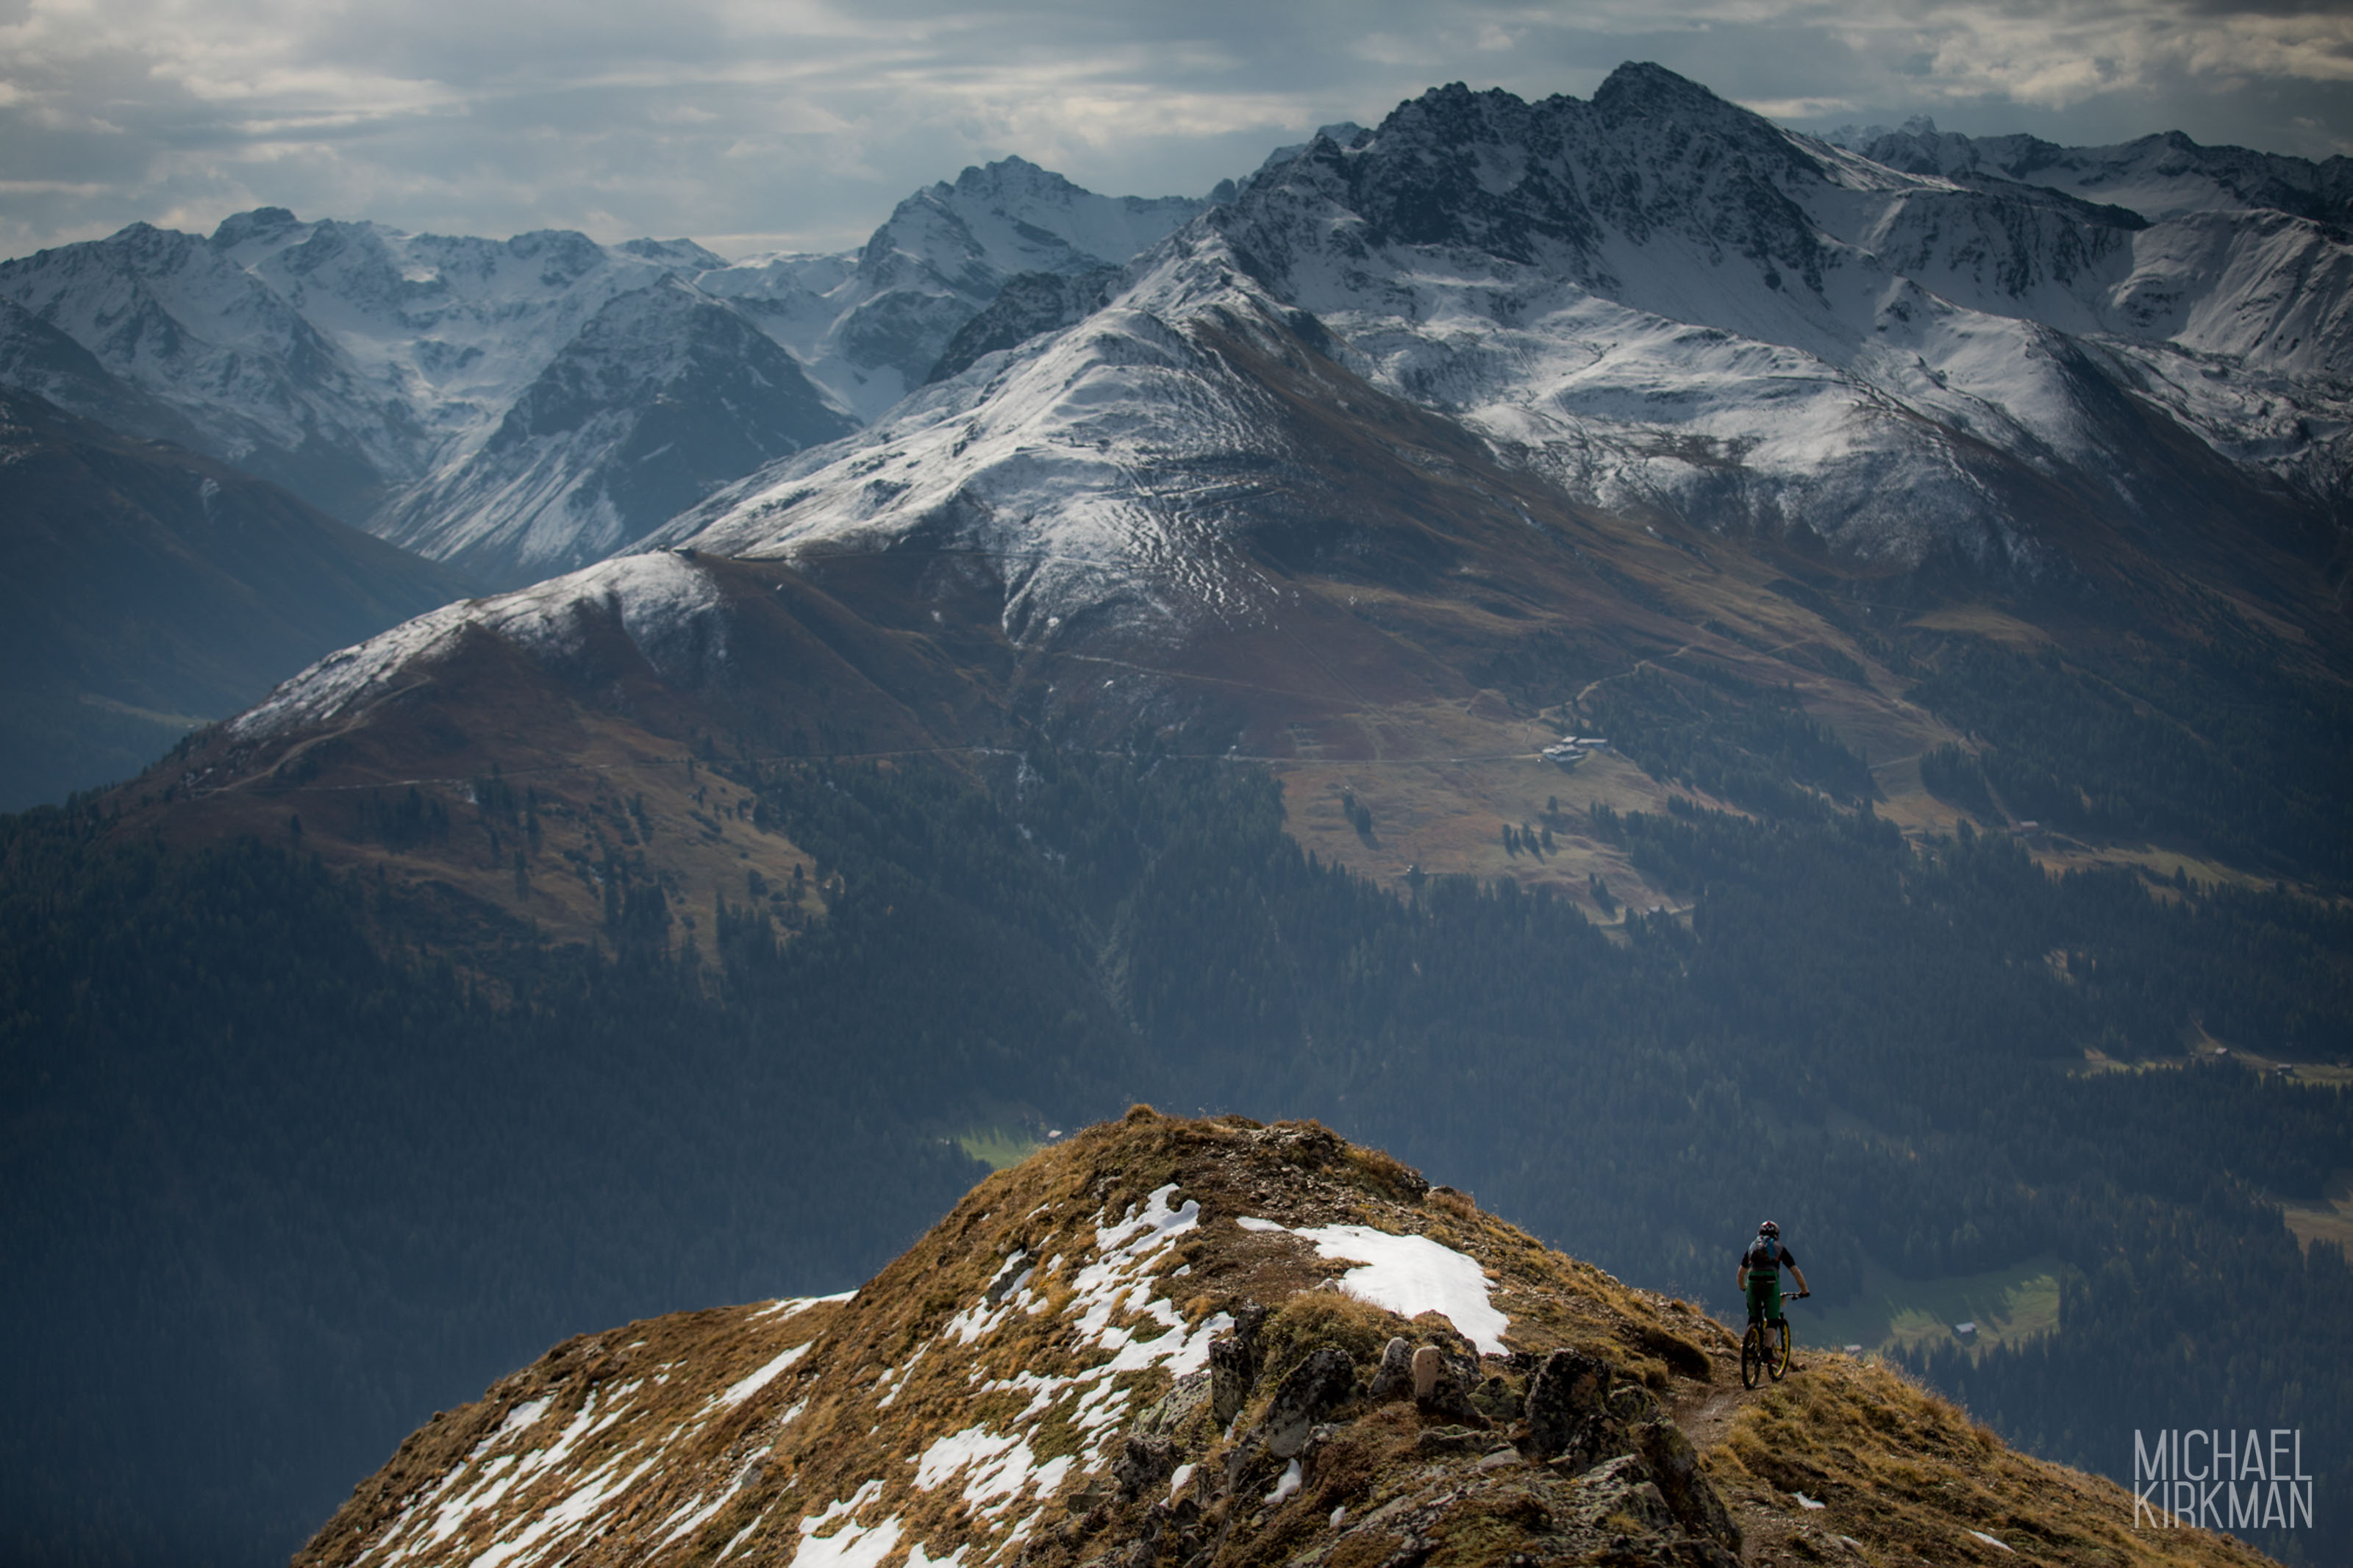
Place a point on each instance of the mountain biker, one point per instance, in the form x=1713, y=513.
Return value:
x=1760, y=1274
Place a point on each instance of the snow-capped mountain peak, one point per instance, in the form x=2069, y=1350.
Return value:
x=872, y=331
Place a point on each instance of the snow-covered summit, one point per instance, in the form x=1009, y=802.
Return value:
x=263, y=384
x=1668, y=301
x=453, y=327
x=870, y=328
x=660, y=397
x=1056, y=461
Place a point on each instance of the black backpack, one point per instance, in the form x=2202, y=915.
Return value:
x=1763, y=1256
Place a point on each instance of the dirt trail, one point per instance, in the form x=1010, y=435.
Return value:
x=1707, y=1412
x=1707, y=1418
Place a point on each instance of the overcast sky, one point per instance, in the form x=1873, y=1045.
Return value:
x=760, y=124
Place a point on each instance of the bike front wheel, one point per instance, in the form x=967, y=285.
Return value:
x=1777, y=1350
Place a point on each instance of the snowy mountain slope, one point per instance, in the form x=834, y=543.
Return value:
x=1656, y=300
x=1131, y=493
x=453, y=327
x=872, y=331
x=347, y=360
x=662, y=395
x=1029, y=303
x=263, y=387
x=1076, y=469
x=661, y=605
x=2158, y=176
x=37, y=358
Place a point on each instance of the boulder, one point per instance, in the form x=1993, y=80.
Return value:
x=1165, y=1415
x=1624, y=1488
x=1315, y=1387
x=1438, y=1388
x=1497, y=1400
x=1428, y=1366
x=1234, y=1360
x=1394, y=1378
x=1675, y=1463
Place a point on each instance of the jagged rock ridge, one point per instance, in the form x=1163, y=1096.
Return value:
x=1211, y=1343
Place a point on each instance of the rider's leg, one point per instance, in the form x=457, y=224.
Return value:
x=1773, y=1300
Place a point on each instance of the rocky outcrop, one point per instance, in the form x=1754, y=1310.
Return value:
x=1576, y=1478
x=1234, y=1362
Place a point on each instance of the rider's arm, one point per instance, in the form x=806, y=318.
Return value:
x=1799, y=1276
x=1740, y=1280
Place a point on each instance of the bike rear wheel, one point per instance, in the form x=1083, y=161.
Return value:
x=1753, y=1355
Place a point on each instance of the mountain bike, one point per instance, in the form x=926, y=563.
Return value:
x=1765, y=1348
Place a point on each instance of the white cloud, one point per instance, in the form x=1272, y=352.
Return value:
x=1794, y=108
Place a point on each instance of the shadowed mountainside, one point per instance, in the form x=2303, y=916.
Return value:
x=146, y=591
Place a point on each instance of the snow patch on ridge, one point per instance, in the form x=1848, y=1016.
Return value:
x=852, y=1545
x=1409, y=1275
x=738, y=1392
x=997, y=1468
x=660, y=600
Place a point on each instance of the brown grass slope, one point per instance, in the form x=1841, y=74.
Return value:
x=603, y=746
x=1093, y=1361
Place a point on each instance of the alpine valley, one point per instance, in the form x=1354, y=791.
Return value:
x=1666, y=668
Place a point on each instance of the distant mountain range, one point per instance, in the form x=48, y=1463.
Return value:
x=523, y=406
x=1904, y=344
x=1663, y=305
x=1498, y=397
x=1501, y=377
x=2158, y=176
